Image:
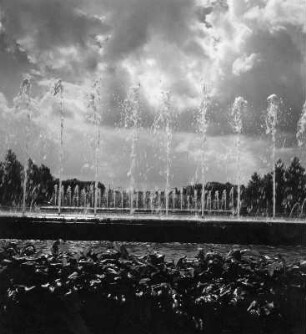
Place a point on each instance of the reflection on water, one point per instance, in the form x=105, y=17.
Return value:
x=172, y=251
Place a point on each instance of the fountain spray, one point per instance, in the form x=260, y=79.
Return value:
x=301, y=137
x=301, y=128
x=132, y=121
x=95, y=118
x=237, y=109
x=163, y=122
x=168, y=146
x=202, y=125
x=271, y=122
x=24, y=101
x=58, y=91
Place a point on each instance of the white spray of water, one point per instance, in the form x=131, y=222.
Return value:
x=163, y=122
x=202, y=125
x=95, y=118
x=271, y=123
x=131, y=118
x=238, y=108
x=58, y=91
x=301, y=128
x=23, y=102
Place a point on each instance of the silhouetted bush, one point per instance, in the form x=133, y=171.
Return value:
x=115, y=292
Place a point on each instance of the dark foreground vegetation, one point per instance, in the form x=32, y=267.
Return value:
x=115, y=292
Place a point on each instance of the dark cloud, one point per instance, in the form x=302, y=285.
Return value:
x=260, y=50
x=248, y=48
x=45, y=30
x=14, y=62
x=50, y=23
x=279, y=72
x=134, y=22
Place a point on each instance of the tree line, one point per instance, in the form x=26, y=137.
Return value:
x=40, y=183
x=290, y=190
x=256, y=196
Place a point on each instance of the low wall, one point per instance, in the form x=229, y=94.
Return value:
x=154, y=230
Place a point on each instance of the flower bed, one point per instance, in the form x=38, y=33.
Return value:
x=116, y=292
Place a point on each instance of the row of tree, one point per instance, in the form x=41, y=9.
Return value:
x=290, y=190
x=256, y=197
x=40, y=183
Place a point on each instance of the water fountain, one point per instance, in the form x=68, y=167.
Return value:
x=58, y=91
x=238, y=108
x=131, y=119
x=202, y=125
x=190, y=200
x=271, y=123
x=23, y=102
x=163, y=122
x=301, y=128
x=224, y=200
x=173, y=200
x=216, y=201
x=94, y=117
x=209, y=201
x=106, y=199
x=122, y=200
x=69, y=196
x=77, y=195
x=182, y=198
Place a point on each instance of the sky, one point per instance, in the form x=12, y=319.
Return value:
x=247, y=48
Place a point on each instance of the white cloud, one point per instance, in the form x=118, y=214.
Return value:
x=245, y=63
x=249, y=48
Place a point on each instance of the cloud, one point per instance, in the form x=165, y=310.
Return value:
x=248, y=48
x=245, y=63
x=259, y=49
x=55, y=36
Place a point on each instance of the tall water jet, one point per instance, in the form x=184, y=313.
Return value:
x=231, y=200
x=195, y=195
x=202, y=125
x=174, y=200
x=163, y=122
x=271, y=123
x=58, y=91
x=237, y=109
x=23, y=102
x=224, y=200
x=95, y=118
x=209, y=201
x=131, y=119
x=182, y=198
x=301, y=128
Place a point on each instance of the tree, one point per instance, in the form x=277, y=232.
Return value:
x=47, y=183
x=294, y=191
x=259, y=190
x=40, y=184
x=253, y=193
x=11, y=180
x=280, y=179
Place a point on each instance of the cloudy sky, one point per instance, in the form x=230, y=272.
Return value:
x=248, y=48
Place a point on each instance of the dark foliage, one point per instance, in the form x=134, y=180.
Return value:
x=10, y=180
x=40, y=183
x=114, y=292
x=290, y=191
x=82, y=184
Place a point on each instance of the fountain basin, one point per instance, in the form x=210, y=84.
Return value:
x=153, y=229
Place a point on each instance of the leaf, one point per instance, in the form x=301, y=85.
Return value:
x=145, y=281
